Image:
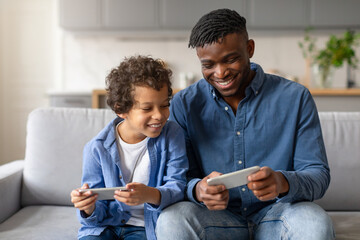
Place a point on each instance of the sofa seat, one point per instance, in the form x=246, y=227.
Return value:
x=30, y=222
x=346, y=224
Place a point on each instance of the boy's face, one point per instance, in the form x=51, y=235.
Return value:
x=148, y=115
x=226, y=64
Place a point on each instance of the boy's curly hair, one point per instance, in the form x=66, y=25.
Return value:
x=135, y=71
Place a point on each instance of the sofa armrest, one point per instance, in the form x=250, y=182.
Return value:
x=10, y=188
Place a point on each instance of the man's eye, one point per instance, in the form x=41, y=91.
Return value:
x=207, y=66
x=231, y=60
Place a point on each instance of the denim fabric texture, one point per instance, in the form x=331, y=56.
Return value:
x=286, y=221
x=125, y=233
x=276, y=125
x=101, y=168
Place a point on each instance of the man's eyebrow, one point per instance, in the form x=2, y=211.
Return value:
x=232, y=54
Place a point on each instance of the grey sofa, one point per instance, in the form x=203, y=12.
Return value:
x=35, y=192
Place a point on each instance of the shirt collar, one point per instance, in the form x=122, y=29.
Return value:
x=255, y=84
x=258, y=79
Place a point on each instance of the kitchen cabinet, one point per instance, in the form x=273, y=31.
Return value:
x=277, y=14
x=130, y=14
x=184, y=14
x=70, y=99
x=335, y=13
x=174, y=15
x=80, y=14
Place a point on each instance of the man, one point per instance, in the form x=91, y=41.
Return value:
x=238, y=117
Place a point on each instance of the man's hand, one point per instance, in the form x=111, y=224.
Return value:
x=267, y=184
x=214, y=197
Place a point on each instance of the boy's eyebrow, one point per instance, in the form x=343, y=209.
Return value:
x=149, y=103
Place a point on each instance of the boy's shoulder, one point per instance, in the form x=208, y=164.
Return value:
x=106, y=135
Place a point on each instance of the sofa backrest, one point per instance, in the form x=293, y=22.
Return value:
x=341, y=132
x=56, y=138
x=54, y=146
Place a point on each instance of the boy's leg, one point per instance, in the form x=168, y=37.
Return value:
x=303, y=220
x=186, y=220
x=107, y=234
x=133, y=233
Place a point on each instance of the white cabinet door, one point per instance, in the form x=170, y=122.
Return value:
x=80, y=14
x=130, y=14
x=184, y=14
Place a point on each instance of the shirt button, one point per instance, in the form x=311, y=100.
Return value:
x=123, y=221
x=243, y=189
x=120, y=177
x=226, y=108
x=240, y=162
x=256, y=92
x=238, y=133
x=245, y=209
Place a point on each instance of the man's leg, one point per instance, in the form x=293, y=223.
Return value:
x=303, y=220
x=186, y=220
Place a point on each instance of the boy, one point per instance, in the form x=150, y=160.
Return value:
x=140, y=150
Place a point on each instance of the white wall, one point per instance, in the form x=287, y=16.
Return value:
x=87, y=59
x=26, y=68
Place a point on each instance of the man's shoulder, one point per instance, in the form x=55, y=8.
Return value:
x=285, y=86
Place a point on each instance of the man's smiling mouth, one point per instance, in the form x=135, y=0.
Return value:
x=222, y=83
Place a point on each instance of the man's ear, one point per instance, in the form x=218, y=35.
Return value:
x=251, y=47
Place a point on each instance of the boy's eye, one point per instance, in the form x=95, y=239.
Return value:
x=166, y=106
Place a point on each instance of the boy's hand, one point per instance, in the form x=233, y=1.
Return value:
x=84, y=201
x=137, y=194
x=214, y=197
x=267, y=184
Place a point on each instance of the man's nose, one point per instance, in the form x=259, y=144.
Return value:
x=220, y=71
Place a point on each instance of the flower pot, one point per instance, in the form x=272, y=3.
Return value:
x=322, y=76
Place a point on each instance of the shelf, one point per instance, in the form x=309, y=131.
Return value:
x=98, y=94
x=335, y=92
x=98, y=97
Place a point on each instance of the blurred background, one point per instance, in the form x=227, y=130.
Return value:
x=57, y=52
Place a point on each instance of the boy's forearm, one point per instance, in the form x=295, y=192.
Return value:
x=154, y=196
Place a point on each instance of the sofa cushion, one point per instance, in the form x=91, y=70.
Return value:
x=54, y=146
x=41, y=222
x=341, y=133
x=346, y=225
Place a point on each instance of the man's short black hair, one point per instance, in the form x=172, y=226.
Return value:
x=215, y=25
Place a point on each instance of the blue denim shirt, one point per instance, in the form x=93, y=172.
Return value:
x=101, y=168
x=276, y=125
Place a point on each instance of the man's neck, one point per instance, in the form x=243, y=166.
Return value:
x=234, y=101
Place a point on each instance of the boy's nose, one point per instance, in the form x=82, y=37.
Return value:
x=157, y=114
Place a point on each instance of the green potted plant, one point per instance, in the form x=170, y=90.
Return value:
x=337, y=51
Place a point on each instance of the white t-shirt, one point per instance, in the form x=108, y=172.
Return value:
x=135, y=167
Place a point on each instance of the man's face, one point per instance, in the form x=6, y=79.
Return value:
x=226, y=64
